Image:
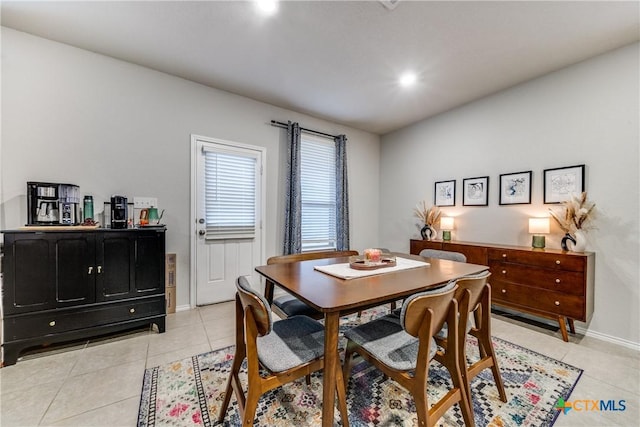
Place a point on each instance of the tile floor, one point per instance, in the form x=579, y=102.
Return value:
x=98, y=382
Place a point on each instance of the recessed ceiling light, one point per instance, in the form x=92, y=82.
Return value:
x=267, y=7
x=407, y=79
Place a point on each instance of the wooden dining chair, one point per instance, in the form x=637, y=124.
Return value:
x=403, y=346
x=288, y=305
x=474, y=297
x=286, y=349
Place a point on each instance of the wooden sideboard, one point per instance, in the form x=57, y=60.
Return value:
x=74, y=284
x=548, y=283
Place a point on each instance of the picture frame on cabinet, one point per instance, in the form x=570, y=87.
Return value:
x=515, y=188
x=475, y=191
x=561, y=183
x=445, y=193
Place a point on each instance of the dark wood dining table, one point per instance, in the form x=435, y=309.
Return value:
x=337, y=297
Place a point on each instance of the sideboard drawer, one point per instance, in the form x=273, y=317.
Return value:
x=57, y=321
x=540, y=259
x=545, y=301
x=571, y=282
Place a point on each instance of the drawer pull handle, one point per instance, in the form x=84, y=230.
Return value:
x=99, y=269
x=557, y=280
x=132, y=310
x=504, y=291
x=52, y=323
x=90, y=270
x=504, y=271
x=557, y=302
x=558, y=261
x=504, y=255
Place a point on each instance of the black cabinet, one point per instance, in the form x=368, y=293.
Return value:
x=72, y=284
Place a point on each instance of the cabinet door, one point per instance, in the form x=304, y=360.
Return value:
x=74, y=255
x=115, y=265
x=28, y=275
x=149, y=262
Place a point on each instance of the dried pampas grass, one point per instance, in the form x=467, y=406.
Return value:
x=577, y=213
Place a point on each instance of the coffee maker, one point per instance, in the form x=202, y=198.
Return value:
x=52, y=204
x=119, y=214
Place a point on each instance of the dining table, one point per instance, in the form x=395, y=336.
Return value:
x=336, y=296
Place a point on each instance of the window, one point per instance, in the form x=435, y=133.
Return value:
x=318, y=187
x=230, y=194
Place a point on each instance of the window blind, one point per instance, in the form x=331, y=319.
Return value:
x=318, y=187
x=230, y=195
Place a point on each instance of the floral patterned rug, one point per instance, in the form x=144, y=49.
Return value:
x=189, y=392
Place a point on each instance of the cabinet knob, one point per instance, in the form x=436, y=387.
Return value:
x=99, y=269
x=52, y=323
x=504, y=271
x=132, y=310
x=504, y=291
x=557, y=280
x=504, y=255
x=558, y=261
x=557, y=303
x=90, y=270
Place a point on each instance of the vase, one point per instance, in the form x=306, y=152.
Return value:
x=428, y=232
x=567, y=239
x=580, y=241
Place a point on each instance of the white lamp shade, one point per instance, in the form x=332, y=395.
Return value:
x=539, y=225
x=446, y=223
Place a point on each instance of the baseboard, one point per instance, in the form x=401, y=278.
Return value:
x=183, y=307
x=609, y=338
x=552, y=325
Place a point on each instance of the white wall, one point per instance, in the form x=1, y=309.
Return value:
x=584, y=114
x=111, y=127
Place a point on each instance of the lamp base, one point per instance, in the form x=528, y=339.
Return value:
x=446, y=235
x=538, y=242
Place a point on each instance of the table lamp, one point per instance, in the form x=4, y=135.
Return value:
x=446, y=224
x=537, y=227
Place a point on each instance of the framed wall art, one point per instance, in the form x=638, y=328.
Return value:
x=561, y=183
x=445, y=193
x=515, y=188
x=475, y=191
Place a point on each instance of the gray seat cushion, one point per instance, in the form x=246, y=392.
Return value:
x=435, y=253
x=387, y=341
x=292, y=306
x=292, y=342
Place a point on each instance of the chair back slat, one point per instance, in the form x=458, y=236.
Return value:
x=439, y=304
x=282, y=259
x=257, y=304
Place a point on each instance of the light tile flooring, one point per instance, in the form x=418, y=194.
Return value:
x=98, y=382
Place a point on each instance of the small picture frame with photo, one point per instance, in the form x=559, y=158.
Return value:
x=475, y=191
x=515, y=188
x=445, y=193
x=561, y=183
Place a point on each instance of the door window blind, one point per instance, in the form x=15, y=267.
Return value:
x=230, y=195
x=318, y=187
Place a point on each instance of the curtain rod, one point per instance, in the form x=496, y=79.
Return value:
x=285, y=125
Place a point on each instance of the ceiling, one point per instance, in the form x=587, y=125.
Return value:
x=340, y=60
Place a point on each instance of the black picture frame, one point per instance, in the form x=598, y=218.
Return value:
x=475, y=191
x=445, y=193
x=561, y=183
x=515, y=188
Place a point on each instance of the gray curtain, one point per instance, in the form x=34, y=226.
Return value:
x=293, y=202
x=342, y=194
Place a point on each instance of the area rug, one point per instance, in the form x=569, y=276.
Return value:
x=189, y=392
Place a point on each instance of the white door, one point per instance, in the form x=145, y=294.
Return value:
x=227, y=216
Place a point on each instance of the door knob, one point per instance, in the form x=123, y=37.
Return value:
x=202, y=232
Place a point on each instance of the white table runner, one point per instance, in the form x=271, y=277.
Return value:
x=344, y=271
